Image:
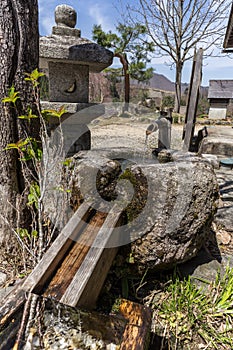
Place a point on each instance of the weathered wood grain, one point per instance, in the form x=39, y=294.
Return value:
x=74, y=258
x=137, y=331
x=11, y=304
x=195, y=83
x=52, y=258
x=88, y=281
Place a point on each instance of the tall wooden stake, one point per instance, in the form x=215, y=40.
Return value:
x=193, y=96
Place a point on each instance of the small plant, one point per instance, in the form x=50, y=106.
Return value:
x=168, y=101
x=188, y=314
x=177, y=118
x=203, y=106
x=12, y=97
x=35, y=238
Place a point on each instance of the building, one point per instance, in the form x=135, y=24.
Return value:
x=220, y=95
x=221, y=91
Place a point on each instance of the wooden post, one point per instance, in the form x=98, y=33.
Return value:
x=137, y=331
x=193, y=96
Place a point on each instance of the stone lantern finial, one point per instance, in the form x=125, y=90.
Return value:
x=65, y=18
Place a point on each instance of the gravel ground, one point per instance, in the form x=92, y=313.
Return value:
x=130, y=135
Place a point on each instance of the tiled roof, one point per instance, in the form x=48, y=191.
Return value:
x=222, y=89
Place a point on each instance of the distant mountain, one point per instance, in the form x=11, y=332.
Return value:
x=158, y=81
x=100, y=86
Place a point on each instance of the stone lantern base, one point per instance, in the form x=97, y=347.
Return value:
x=76, y=134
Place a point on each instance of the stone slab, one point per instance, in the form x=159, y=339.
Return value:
x=220, y=131
x=228, y=162
x=219, y=141
x=212, y=158
x=66, y=31
x=76, y=113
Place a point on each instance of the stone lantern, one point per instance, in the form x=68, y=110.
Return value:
x=68, y=59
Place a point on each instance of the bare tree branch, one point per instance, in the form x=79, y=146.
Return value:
x=177, y=27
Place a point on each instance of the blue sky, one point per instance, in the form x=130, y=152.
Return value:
x=106, y=13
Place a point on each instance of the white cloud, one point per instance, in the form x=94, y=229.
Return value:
x=46, y=17
x=47, y=23
x=96, y=13
x=101, y=14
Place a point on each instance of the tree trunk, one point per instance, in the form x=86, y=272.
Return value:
x=19, y=52
x=125, y=65
x=179, y=67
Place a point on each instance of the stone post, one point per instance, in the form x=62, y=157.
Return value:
x=163, y=125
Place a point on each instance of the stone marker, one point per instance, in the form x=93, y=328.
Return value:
x=163, y=125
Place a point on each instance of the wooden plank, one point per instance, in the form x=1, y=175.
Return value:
x=137, y=332
x=73, y=260
x=51, y=259
x=90, y=294
x=84, y=288
x=11, y=304
x=130, y=331
x=189, y=94
x=193, y=100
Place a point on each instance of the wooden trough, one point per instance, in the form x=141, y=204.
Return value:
x=72, y=272
x=69, y=267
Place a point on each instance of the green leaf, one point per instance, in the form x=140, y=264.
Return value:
x=33, y=77
x=12, y=97
x=29, y=116
x=39, y=154
x=35, y=233
x=23, y=232
x=12, y=146
x=28, y=149
x=18, y=145
x=34, y=195
x=53, y=112
x=67, y=162
x=131, y=259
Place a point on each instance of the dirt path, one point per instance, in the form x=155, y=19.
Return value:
x=131, y=135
